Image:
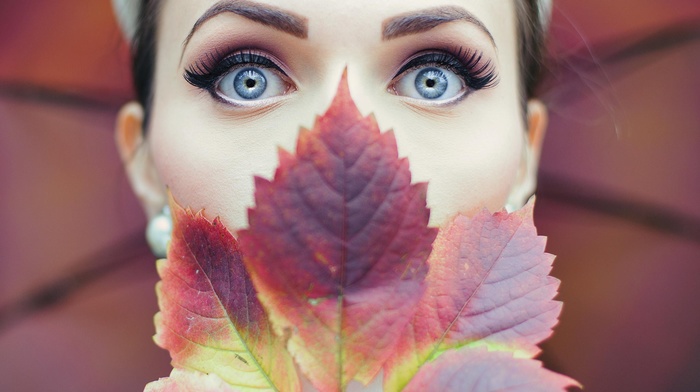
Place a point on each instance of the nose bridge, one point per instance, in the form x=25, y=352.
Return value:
x=335, y=80
x=347, y=38
x=348, y=77
x=344, y=34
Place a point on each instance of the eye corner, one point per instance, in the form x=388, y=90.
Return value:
x=196, y=76
x=273, y=101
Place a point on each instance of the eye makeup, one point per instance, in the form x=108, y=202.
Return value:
x=469, y=65
x=206, y=74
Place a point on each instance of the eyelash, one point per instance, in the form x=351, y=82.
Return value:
x=464, y=63
x=206, y=74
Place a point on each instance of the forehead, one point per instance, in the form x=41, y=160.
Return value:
x=357, y=21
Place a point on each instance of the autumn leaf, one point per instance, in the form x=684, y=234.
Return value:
x=488, y=285
x=210, y=319
x=337, y=246
x=339, y=270
x=190, y=381
x=479, y=370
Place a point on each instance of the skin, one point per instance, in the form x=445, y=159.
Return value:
x=475, y=153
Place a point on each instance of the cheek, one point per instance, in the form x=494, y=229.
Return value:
x=211, y=164
x=468, y=163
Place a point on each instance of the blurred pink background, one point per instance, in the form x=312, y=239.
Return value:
x=618, y=199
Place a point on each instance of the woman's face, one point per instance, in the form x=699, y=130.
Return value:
x=255, y=78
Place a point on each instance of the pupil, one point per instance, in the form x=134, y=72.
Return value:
x=249, y=83
x=431, y=83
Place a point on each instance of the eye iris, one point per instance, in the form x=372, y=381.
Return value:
x=431, y=83
x=250, y=83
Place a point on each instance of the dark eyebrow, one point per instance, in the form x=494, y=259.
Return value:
x=264, y=14
x=424, y=20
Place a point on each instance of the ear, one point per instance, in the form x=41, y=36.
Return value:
x=137, y=160
x=526, y=182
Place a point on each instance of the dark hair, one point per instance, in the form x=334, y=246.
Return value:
x=143, y=54
x=531, y=37
x=530, y=30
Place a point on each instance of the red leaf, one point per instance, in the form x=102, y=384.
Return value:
x=488, y=285
x=337, y=246
x=478, y=370
x=189, y=381
x=210, y=319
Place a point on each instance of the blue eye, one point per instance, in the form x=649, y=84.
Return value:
x=431, y=83
x=443, y=77
x=241, y=78
x=251, y=83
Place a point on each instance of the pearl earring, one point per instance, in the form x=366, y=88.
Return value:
x=512, y=205
x=159, y=231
